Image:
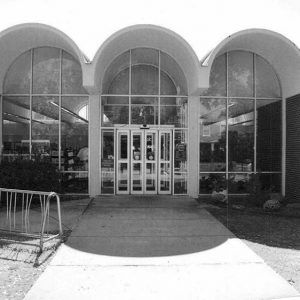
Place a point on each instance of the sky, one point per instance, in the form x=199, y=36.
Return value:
x=203, y=24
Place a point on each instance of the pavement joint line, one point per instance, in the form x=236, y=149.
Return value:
x=154, y=236
x=159, y=265
x=148, y=219
x=76, y=223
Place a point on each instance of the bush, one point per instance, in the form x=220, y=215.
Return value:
x=36, y=175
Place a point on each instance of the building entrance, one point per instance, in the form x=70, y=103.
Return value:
x=144, y=161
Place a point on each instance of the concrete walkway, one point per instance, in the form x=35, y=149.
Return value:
x=156, y=248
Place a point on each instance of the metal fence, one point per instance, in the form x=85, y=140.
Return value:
x=25, y=217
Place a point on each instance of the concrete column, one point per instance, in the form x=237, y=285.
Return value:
x=94, y=145
x=1, y=128
x=283, y=153
x=193, y=147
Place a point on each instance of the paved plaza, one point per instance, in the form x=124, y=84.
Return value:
x=167, y=247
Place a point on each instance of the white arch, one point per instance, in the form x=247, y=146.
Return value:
x=279, y=51
x=149, y=36
x=20, y=38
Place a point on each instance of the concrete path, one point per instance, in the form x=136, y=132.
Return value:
x=156, y=248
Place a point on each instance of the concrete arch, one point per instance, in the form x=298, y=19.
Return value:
x=20, y=38
x=149, y=36
x=279, y=51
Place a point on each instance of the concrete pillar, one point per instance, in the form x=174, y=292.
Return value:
x=193, y=147
x=1, y=128
x=283, y=152
x=94, y=145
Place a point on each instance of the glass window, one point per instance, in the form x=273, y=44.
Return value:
x=241, y=135
x=44, y=111
x=75, y=182
x=242, y=121
x=268, y=135
x=270, y=182
x=172, y=78
x=141, y=74
x=212, y=135
x=116, y=79
x=74, y=134
x=217, y=79
x=45, y=125
x=240, y=74
x=267, y=83
x=71, y=75
x=239, y=183
x=174, y=111
x=115, y=110
x=212, y=182
x=144, y=110
x=17, y=79
x=16, y=126
x=46, y=70
x=144, y=69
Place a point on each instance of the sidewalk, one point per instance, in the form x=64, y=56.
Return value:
x=156, y=248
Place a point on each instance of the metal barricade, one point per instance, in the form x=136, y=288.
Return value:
x=19, y=204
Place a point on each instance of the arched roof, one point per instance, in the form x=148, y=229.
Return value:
x=149, y=36
x=279, y=51
x=20, y=38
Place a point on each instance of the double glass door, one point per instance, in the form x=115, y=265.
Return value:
x=144, y=162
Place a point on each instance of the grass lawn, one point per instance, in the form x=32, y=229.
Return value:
x=275, y=237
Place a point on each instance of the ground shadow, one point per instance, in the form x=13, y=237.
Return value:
x=272, y=229
x=148, y=226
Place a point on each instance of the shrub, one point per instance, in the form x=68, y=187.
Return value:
x=38, y=175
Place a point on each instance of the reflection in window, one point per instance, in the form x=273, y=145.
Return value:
x=268, y=135
x=107, y=162
x=16, y=127
x=251, y=83
x=45, y=126
x=180, y=161
x=144, y=110
x=212, y=182
x=240, y=74
x=71, y=75
x=74, y=135
x=174, y=111
x=44, y=104
x=17, y=79
x=217, y=82
x=46, y=69
x=213, y=146
x=241, y=135
x=141, y=73
x=239, y=183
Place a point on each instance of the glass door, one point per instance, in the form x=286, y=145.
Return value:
x=137, y=158
x=165, y=159
x=150, y=162
x=144, y=161
x=123, y=162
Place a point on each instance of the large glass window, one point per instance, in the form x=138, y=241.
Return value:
x=153, y=85
x=41, y=118
x=240, y=130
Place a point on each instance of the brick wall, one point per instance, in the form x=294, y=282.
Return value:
x=293, y=148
